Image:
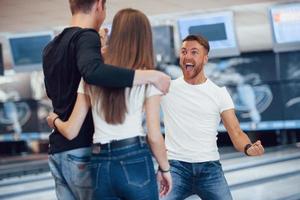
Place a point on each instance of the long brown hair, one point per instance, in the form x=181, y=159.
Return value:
x=129, y=46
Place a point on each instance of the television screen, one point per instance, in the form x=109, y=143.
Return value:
x=26, y=50
x=1, y=61
x=289, y=65
x=285, y=19
x=18, y=117
x=265, y=111
x=217, y=28
x=248, y=68
x=163, y=44
x=252, y=80
x=212, y=32
x=291, y=103
x=258, y=107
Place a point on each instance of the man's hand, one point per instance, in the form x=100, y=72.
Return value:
x=256, y=149
x=103, y=32
x=165, y=183
x=50, y=119
x=161, y=81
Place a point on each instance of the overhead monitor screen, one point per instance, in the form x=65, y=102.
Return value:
x=285, y=19
x=26, y=50
x=1, y=61
x=217, y=28
x=163, y=44
x=212, y=32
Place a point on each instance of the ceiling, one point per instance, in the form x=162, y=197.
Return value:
x=252, y=25
x=36, y=15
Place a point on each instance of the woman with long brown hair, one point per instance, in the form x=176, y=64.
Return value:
x=121, y=163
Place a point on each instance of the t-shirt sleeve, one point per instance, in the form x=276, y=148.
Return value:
x=81, y=87
x=226, y=102
x=151, y=90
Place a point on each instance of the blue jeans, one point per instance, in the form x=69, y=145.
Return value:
x=204, y=179
x=124, y=173
x=72, y=174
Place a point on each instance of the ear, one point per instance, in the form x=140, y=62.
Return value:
x=205, y=59
x=99, y=5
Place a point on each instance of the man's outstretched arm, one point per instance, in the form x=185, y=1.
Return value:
x=95, y=72
x=239, y=139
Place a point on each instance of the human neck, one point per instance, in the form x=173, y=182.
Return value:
x=197, y=80
x=83, y=21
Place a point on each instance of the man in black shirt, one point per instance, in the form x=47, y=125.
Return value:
x=73, y=54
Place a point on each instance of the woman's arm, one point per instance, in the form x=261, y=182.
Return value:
x=156, y=142
x=71, y=127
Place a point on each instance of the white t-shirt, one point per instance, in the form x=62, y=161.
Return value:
x=191, y=117
x=132, y=125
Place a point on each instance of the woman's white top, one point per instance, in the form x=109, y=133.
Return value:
x=132, y=125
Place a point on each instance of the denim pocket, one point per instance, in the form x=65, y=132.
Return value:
x=213, y=166
x=80, y=169
x=216, y=163
x=137, y=171
x=179, y=166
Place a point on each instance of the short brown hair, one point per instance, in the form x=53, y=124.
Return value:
x=200, y=39
x=84, y=6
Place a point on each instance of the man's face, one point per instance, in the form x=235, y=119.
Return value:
x=193, y=57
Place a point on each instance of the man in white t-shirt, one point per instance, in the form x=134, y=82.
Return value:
x=192, y=111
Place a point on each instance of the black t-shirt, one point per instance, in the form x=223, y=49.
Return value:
x=73, y=54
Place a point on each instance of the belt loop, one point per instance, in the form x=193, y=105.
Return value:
x=96, y=148
x=141, y=141
x=109, y=147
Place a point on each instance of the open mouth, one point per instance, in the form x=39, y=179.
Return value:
x=189, y=66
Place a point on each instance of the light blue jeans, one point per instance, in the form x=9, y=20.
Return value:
x=205, y=179
x=72, y=174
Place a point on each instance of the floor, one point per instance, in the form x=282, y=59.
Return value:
x=274, y=176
